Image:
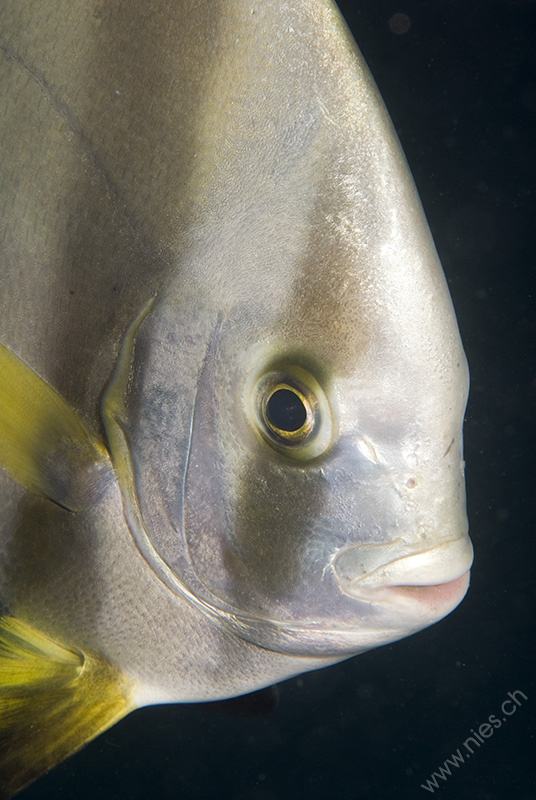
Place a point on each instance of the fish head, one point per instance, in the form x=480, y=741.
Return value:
x=303, y=483
x=297, y=391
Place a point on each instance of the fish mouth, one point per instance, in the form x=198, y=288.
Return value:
x=430, y=583
x=428, y=600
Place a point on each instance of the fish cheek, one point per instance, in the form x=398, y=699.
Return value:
x=248, y=510
x=249, y=529
x=273, y=516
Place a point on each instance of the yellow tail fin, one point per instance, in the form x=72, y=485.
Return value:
x=52, y=701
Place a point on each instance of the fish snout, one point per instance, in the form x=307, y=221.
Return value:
x=431, y=581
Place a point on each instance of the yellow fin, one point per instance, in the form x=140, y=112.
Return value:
x=44, y=445
x=52, y=701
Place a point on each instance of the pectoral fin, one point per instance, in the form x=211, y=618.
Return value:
x=52, y=701
x=44, y=445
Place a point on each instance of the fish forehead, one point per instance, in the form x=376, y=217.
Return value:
x=249, y=129
x=303, y=199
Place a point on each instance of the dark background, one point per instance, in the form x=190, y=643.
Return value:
x=460, y=85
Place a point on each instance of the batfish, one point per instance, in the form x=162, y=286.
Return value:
x=232, y=385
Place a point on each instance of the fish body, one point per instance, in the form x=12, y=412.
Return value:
x=232, y=380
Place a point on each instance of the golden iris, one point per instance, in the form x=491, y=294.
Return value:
x=287, y=412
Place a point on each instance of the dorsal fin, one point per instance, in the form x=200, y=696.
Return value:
x=44, y=444
x=52, y=701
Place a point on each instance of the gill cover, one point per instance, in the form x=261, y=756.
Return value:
x=227, y=548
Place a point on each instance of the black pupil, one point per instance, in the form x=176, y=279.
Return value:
x=286, y=411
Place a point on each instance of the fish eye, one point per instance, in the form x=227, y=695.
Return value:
x=287, y=412
x=292, y=413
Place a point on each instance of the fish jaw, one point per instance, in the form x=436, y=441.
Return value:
x=359, y=573
x=427, y=585
x=397, y=600
x=435, y=601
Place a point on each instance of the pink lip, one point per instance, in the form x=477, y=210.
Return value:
x=438, y=598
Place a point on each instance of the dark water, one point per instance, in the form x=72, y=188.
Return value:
x=460, y=84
